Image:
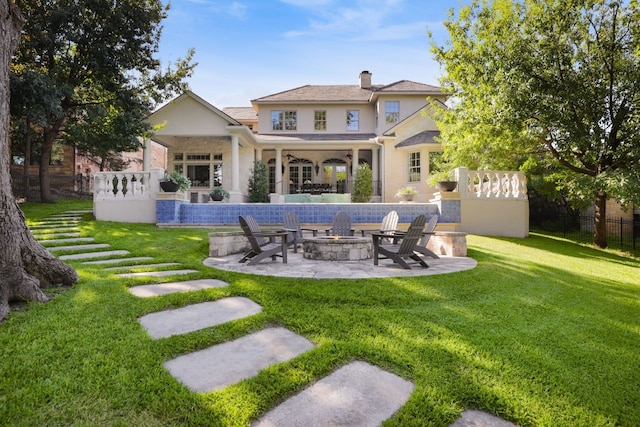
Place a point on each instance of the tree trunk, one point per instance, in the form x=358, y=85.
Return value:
x=25, y=265
x=600, y=223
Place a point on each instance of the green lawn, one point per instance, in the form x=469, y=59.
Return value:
x=543, y=332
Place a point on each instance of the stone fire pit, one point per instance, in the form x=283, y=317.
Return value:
x=338, y=248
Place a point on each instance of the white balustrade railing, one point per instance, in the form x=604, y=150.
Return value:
x=491, y=184
x=122, y=186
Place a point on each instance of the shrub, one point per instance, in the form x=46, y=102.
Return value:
x=259, y=183
x=362, y=188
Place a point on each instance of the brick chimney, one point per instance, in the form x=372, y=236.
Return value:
x=365, y=80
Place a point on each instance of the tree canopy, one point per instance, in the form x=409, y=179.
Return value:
x=550, y=84
x=90, y=68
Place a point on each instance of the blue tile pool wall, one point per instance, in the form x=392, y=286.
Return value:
x=172, y=211
x=450, y=211
x=168, y=211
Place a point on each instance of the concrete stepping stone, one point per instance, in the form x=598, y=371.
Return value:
x=53, y=230
x=198, y=316
x=224, y=364
x=53, y=224
x=474, y=418
x=44, y=242
x=54, y=235
x=157, y=273
x=146, y=291
x=118, y=260
x=358, y=394
x=147, y=266
x=78, y=247
x=89, y=255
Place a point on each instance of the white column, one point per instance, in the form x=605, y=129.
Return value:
x=258, y=154
x=375, y=166
x=354, y=161
x=235, y=164
x=279, y=171
x=146, y=155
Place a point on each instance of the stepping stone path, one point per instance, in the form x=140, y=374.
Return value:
x=198, y=316
x=357, y=394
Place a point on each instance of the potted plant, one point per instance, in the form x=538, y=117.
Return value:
x=406, y=193
x=443, y=181
x=218, y=193
x=175, y=181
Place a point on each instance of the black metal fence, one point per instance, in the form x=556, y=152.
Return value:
x=621, y=233
x=74, y=186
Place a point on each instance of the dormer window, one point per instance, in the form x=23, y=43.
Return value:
x=392, y=112
x=284, y=120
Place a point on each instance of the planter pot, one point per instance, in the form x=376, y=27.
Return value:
x=408, y=197
x=217, y=198
x=169, y=186
x=447, y=185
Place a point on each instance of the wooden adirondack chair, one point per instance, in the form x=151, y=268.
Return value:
x=341, y=225
x=388, y=226
x=262, y=244
x=421, y=247
x=405, y=247
x=292, y=226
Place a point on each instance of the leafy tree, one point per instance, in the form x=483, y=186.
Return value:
x=25, y=266
x=87, y=58
x=259, y=183
x=363, y=185
x=548, y=84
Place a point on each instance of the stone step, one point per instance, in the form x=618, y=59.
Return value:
x=224, y=364
x=45, y=242
x=157, y=273
x=89, y=255
x=146, y=291
x=78, y=247
x=358, y=394
x=55, y=235
x=54, y=230
x=198, y=316
x=475, y=418
x=118, y=260
x=50, y=224
x=145, y=266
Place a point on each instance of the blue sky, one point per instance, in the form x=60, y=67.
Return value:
x=247, y=49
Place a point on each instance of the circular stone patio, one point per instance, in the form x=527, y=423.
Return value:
x=298, y=266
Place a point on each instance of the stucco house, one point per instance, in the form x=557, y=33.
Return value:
x=313, y=133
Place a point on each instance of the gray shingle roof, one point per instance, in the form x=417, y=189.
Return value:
x=424, y=137
x=318, y=136
x=241, y=113
x=345, y=93
x=320, y=93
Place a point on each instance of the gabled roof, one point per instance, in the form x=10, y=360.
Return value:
x=424, y=137
x=189, y=94
x=241, y=113
x=319, y=93
x=407, y=86
x=347, y=93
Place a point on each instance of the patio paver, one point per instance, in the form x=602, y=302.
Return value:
x=194, y=317
x=358, y=394
x=146, y=291
x=228, y=363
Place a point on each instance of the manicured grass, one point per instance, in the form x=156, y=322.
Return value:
x=543, y=332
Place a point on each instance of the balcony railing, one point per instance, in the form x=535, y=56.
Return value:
x=122, y=185
x=491, y=184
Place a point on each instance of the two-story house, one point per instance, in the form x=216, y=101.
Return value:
x=316, y=134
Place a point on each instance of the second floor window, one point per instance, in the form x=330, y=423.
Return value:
x=320, y=120
x=284, y=120
x=353, y=120
x=392, y=111
x=414, y=167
